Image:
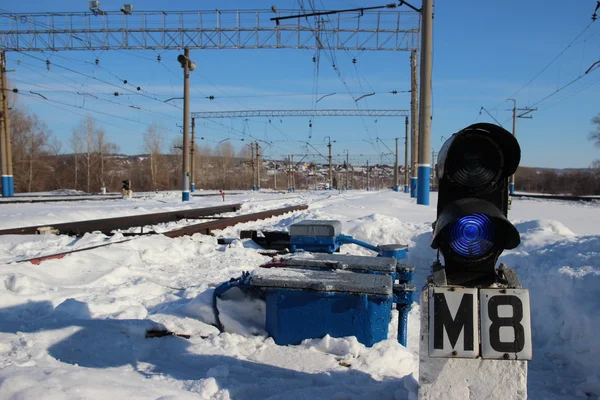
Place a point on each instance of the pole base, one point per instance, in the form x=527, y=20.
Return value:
x=11, y=186
x=511, y=188
x=192, y=187
x=396, y=188
x=465, y=378
x=423, y=185
x=5, y=191
x=185, y=196
x=405, y=188
x=413, y=187
x=330, y=187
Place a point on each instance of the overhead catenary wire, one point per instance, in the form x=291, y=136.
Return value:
x=100, y=80
x=547, y=65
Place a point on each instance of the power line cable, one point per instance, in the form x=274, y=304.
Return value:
x=548, y=65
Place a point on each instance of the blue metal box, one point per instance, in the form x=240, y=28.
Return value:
x=304, y=304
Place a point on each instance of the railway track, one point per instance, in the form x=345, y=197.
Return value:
x=107, y=225
x=87, y=197
x=203, y=228
x=557, y=197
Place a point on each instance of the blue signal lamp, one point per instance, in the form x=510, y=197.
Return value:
x=472, y=236
x=471, y=230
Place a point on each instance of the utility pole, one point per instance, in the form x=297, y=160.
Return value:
x=275, y=177
x=368, y=175
x=315, y=176
x=252, y=164
x=5, y=190
x=347, y=168
x=425, y=102
x=8, y=188
x=257, y=168
x=515, y=111
x=414, y=124
x=192, y=157
x=293, y=173
x=433, y=154
x=396, y=183
x=330, y=166
x=289, y=172
x=188, y=66
x=406, y=156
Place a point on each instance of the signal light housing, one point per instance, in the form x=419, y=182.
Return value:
x=471, y=230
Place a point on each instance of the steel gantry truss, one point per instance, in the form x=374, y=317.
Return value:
x=300, y=113
x=358, y=30
x=212, y=29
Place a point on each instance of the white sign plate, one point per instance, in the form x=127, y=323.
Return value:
x=505, y=324
x=453, y=322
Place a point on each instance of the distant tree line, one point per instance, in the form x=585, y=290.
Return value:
x=91, y=161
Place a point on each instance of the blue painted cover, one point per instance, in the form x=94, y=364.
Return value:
x=296, y=315
x=327, y=244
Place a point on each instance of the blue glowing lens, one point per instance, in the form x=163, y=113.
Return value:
x=472, y=236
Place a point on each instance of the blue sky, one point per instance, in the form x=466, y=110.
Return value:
x=484, y=52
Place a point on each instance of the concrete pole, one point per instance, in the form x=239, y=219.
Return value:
x=414, y=124
x=293, y=173
x=368, y=176
x=424, y=163
x=330, y=167
x=275, y=179
x=315, y=176
x=193, y=156
x=185, y=195
x=3, y=158
x=347, y=168
x=433, y=153
x=252, y=164
x=406, y=156
x=10, y=188
x=396, y=183
x=257, y=168
x=514, y=132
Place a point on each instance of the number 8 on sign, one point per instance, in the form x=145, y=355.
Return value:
x=505, y=324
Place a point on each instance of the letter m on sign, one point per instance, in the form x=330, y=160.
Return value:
x=453, y=322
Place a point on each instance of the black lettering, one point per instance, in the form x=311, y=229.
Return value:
x=514, y=322
x=443, y=319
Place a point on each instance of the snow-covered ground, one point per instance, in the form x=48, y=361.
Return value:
x=74, y=328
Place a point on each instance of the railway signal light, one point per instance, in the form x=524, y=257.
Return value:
x=471, y=230
x=182, y=59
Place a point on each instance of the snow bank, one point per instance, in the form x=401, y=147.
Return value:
x=562, y=272
x=75, y=327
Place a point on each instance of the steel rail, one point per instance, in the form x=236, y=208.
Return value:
x=556, y=197
x=207, y=227
x=190, y=230
x=107, y=225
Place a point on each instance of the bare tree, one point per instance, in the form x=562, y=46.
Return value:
x=104, y=148
x=225, y=154
x=30, y=137
x=595, y=134
x=153, y=143
x=93, y=144
x=76, y=144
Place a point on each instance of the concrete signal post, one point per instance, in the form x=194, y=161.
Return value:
x=475, y=321
x=188, y=66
